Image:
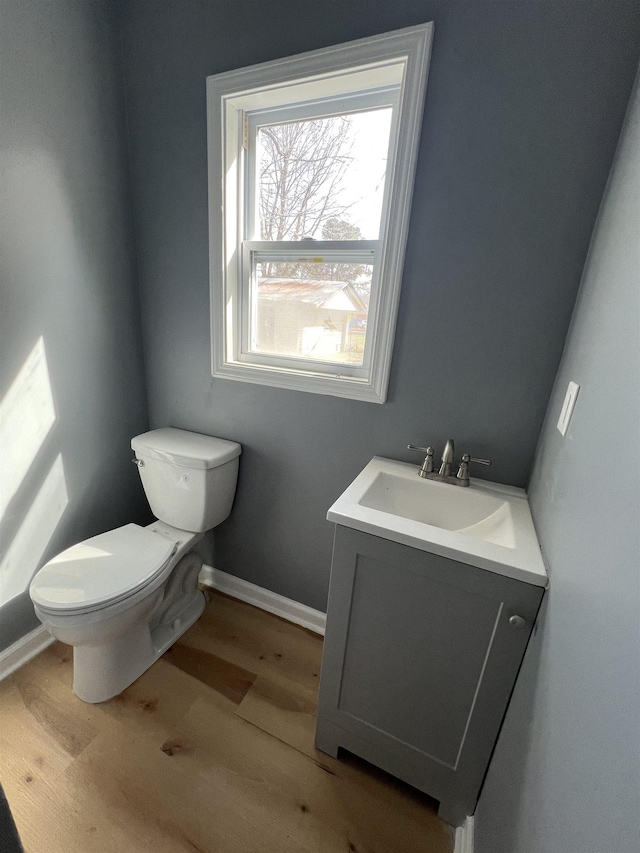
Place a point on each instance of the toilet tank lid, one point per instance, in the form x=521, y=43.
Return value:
x=188, y=449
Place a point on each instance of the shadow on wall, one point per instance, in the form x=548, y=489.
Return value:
x=34, y=491
x=33, y=488
x=71, y=387
x=33, y=484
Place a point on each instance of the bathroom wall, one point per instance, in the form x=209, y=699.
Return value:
x=71, y=387
x=524, y=107
x=566, y=772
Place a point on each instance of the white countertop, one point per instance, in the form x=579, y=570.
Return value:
x=486, y=524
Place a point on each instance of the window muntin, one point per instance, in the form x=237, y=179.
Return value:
x=384, y=72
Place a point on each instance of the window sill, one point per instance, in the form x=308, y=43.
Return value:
x=347, y=387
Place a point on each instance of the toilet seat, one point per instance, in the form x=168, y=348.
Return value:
x=102, y=570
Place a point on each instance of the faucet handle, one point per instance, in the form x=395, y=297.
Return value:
x=467, y=458
x=427, y=465
x=463, y=470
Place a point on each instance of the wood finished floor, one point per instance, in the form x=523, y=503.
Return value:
x=210, y=751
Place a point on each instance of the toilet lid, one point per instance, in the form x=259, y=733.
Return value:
x=102, y=569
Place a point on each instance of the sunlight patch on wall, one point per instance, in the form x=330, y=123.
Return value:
x=23, y=556
x=27, y=414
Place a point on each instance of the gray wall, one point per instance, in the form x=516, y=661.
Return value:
x=67, y=274
x=523, y=111
x=566, y=772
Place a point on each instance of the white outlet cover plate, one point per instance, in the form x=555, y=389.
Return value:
x=567, y=407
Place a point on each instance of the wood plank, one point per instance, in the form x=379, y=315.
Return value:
x=221, y=759
x=97, y=812
x=52, y=673
x=342, y=804
x=156, y=701
x=28, y=752
x=258, y=642
x=284, y=714
x=71, y=733
x=227, y=678
x=196, y=795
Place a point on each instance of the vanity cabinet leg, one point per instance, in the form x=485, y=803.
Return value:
x=327, y=737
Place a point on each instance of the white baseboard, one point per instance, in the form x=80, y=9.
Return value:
x=464, y=837
x=293, y=611
x=23, y=650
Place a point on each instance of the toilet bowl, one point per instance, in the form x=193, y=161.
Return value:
x=122, y=598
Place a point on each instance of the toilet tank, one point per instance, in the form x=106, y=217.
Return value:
x=189, y=478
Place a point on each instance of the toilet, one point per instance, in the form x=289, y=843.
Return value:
x=122, y=598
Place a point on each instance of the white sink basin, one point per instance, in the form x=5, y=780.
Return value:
x=485, y=525
x=465, y=510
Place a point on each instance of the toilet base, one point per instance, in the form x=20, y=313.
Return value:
x=164, y=636
x=119, y=663
x=102, y=671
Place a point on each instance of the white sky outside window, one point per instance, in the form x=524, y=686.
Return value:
x=364, y=182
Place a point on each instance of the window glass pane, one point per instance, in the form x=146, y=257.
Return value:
x=311, y=310
x=323, y=178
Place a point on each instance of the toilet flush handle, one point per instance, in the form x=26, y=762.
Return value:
x=138, y=462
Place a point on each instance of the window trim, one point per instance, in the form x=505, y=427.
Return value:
x=227, y=96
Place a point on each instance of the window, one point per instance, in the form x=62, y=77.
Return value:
x=311, y=163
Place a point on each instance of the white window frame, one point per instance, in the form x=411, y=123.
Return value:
x=371, y=71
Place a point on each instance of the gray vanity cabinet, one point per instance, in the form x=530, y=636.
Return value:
x=420, y=658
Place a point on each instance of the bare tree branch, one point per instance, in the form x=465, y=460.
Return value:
x=302, y=165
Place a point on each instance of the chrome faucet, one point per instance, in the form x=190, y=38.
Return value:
x=447, y=458
x=444, y=474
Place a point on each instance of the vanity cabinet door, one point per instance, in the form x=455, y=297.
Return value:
x=419, y=663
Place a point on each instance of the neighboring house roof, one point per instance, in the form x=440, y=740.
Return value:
x=335, y=295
